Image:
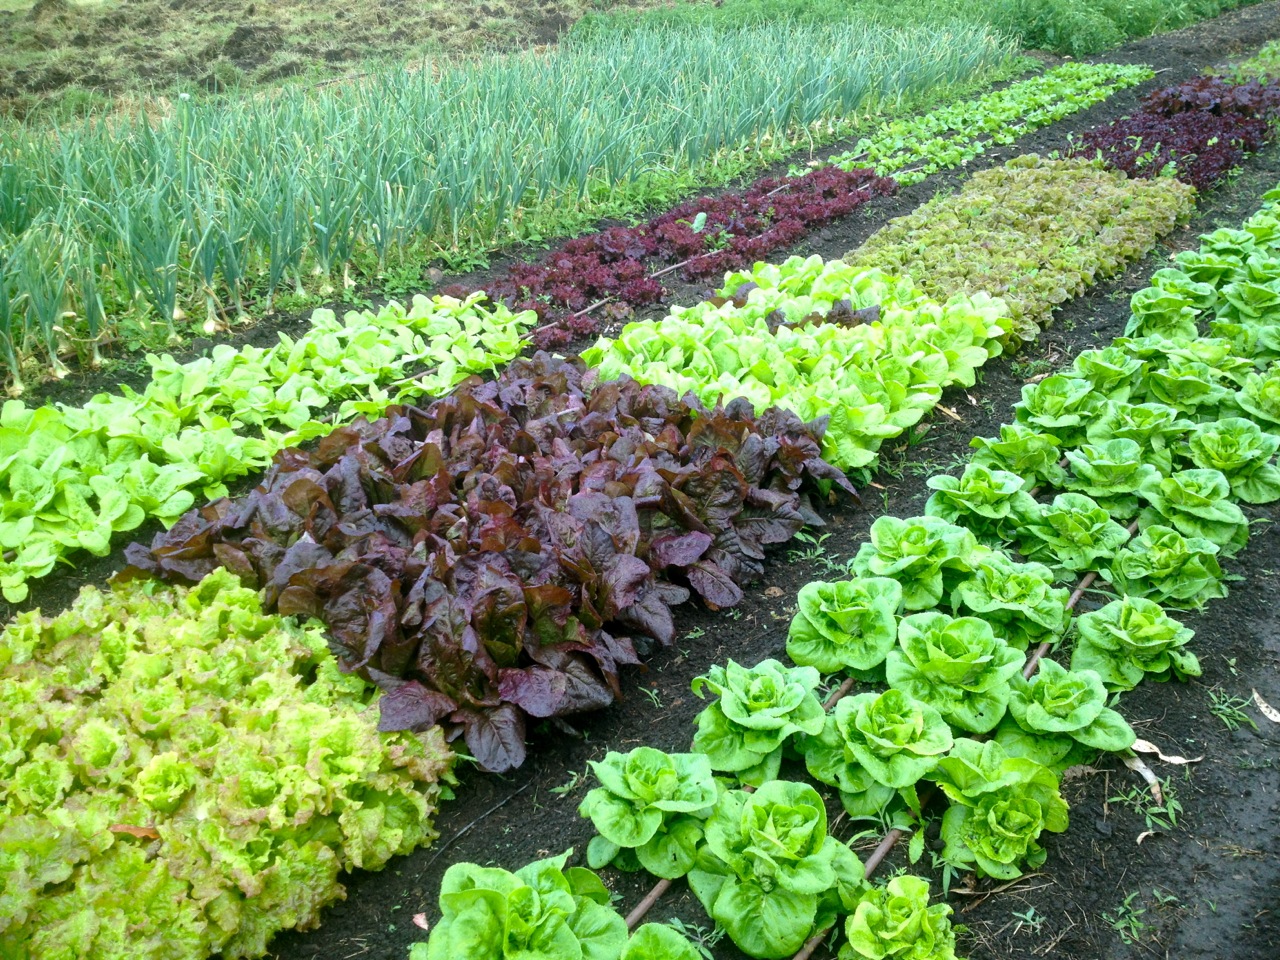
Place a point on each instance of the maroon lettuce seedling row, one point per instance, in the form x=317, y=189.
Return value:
x=502, y=553
x=706, y=237
x=1203, y=128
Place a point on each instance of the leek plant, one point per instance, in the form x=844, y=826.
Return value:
x=227, y=198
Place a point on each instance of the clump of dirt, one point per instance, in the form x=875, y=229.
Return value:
x=252, y=44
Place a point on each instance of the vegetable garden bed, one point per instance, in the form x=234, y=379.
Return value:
x=479, y=826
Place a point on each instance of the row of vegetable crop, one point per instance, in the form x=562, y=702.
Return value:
x=711, y=235
x=221, y=204
x=73, y=477
x=943, y=620
x=953, y=135
x=1197, y=131
x=1077, y=223
x=183, y=775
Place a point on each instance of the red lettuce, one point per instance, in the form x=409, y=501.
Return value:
x=502, y=553
x=1199, y=130
x=709, y=236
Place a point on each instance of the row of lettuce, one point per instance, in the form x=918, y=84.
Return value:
x=71, y=477
x=941, y=615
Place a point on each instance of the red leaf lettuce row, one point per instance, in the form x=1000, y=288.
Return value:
x=502, y=553
x=1199, y=130
x=713, y=234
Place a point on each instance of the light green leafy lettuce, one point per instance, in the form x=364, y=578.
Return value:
x=1071, y=534
x=926, y=555
x=1242, y=452
x=757, y=711
x=543, y=911
x=190, y=776
x=1023, y=450
x=895, y=922
x=1163, y=565
x=991, y=503
x=875, y=745
x=872, y=380
x=1019, y=600
x=847, y=625
x=1000, y=805
x=1196, y=503
x=956, y=665
x=650, y=802
x=1130, y=639
x=769, y=874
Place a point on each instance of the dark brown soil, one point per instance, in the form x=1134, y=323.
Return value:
x=1222, y=862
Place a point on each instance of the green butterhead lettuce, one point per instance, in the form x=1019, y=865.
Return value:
x=1163, y=565
x=1071, y=534
x=999, y=807
x=1111, y=473
x=848, y=625
x=991, y=503
x=544, y=911
x=926, y=555
x=1196, y=503
x=768, y=865
x=1242, y=452
x=1131, y=638
x=651, y=802
x=895, y=922
x=1019, y=600
x=758, y=710
x=1023, y=450
x=1059, y=702
x=956, y=665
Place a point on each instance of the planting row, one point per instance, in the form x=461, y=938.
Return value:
x=944, y=621
x=618, y=269
x=72, y=477
x=818, y=355
x=1016, y=232
x=183, y=775
x=1197, y=131
x=1073, y=27
x=951, y=136
x=226, y=202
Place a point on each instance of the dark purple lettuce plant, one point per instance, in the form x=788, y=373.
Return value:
x=501, y=554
